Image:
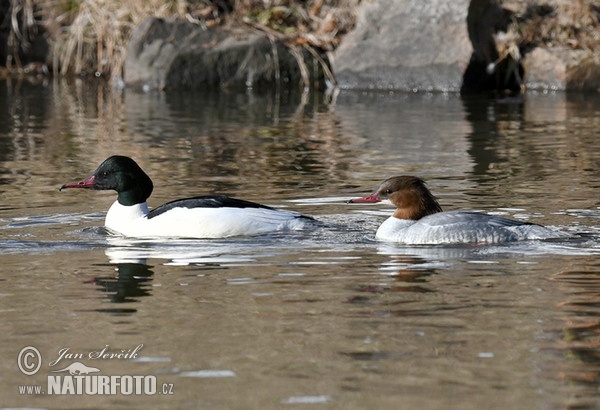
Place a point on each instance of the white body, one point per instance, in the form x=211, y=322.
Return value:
x=460, y=227
x=200, y=222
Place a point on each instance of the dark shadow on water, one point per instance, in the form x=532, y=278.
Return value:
x=131, y=283
x=485, y=114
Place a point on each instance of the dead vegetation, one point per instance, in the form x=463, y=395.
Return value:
x=89, y=37
x=569, y=23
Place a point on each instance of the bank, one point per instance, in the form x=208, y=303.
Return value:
x=410, y=45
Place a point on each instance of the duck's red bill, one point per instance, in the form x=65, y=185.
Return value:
x=370, y=199
x=86, y=183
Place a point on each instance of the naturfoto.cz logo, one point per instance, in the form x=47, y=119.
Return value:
x=78, y=378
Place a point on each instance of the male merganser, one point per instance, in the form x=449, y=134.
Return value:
x=211, y=216
x=419, y=219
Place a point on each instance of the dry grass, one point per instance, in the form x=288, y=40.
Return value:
x=89, y=37
x=23, y=26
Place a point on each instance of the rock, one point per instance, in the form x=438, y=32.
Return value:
x=405, y=45
x=177, y=54
x=472, y=46
x=544, y=70
x=560, y=68
x=558, y=40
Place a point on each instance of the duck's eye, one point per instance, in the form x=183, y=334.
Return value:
x=104, y=174
x=387, y=191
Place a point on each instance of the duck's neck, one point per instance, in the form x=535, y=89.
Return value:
x=414, y=206
x=136, y=195
x=407, y=213
x=415, y=213
x=414, y=203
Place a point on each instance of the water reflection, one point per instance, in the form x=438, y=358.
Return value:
x=132, y=281
x=403, y=258
x=579, y=340
x=220, y=139
x=515, y=143
x=487, y=117
x=334, y=312
x=186, y=252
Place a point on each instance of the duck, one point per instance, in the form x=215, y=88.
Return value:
x=201, y=217
x=420, y=220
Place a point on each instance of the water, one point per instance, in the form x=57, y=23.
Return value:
x=328, y=318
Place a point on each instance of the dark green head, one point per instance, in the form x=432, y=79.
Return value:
x=121, y=174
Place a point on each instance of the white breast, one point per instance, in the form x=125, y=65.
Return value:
x=125, y=219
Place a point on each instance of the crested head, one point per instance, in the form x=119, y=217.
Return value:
x=121, y=174
x=408, y=193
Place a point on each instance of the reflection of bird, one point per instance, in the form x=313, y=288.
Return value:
x=132, y=282
x=199, y=217
x=419, y=219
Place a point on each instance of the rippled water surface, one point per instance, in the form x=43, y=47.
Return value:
x=328, y=318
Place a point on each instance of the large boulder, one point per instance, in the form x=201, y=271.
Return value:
x=405, y=45
x=177, y=54
x=561, y=68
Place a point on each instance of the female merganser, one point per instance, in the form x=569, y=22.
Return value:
x=200, y=217
x=419, y=219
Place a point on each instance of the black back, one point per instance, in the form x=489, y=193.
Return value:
x=206, y=201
